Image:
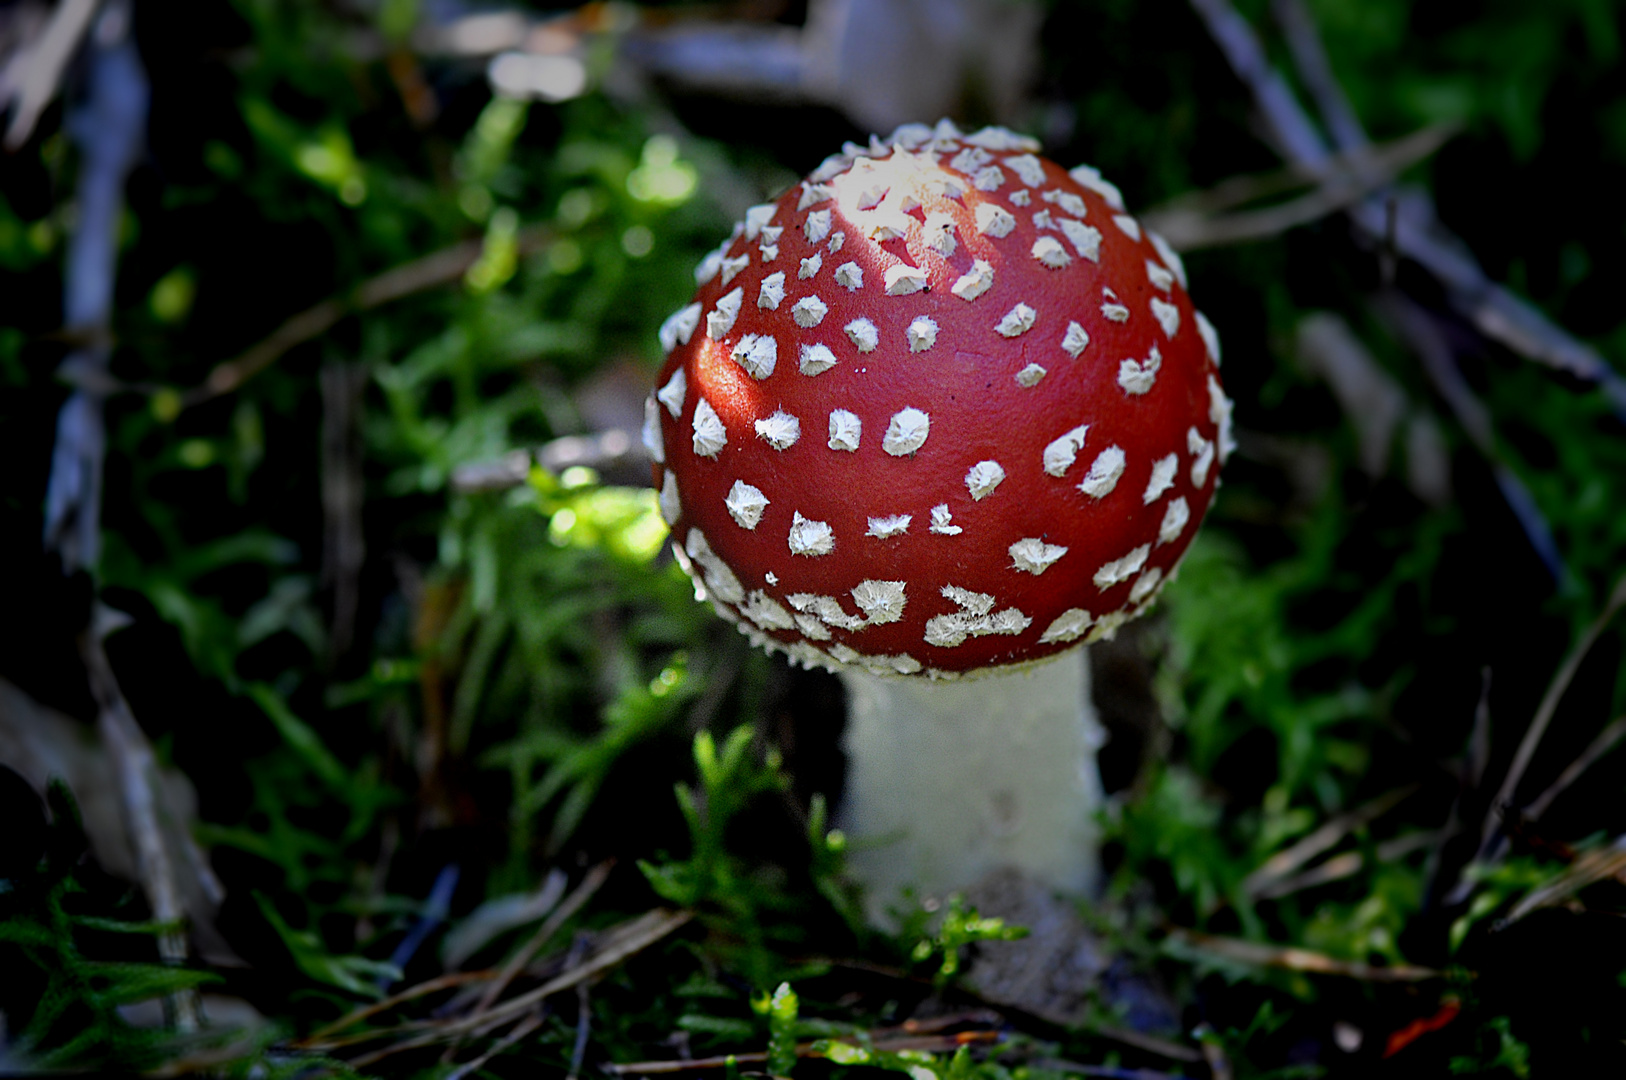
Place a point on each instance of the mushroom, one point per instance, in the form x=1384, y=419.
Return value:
x=938, y=416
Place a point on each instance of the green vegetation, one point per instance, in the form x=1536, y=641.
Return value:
x=430, y=693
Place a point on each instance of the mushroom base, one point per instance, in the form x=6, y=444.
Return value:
x=950, y=782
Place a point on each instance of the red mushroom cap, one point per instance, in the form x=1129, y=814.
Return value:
x=943, y=406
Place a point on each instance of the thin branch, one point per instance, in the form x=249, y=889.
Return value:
x=1190, y=222
x=584, y=1020
x=1495, y=312
x=628, y=939
x=39, y=71
x=595, y=450
x=936, y=1044
x=616, y=946
x=1549, y=702
x=1492, y=840
x=1600, y=746
x=137, y=769
x=1290, y=859
x=1588, y=869
x=449, y=981
x=562, y=914
x=420, y=275
x=1260, y=954
x=1315, y=71
x=1110, y=1071
x=1423, y=335
x=1346, y=865
x=527, y=1024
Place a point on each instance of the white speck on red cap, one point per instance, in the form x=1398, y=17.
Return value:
x=1048, y=250
x=808, y=312
x=994, y=220
x=1210, y=337
x=1167, y=316
x=1162, y=478
x=1138, y=376
x=709, y=434
x=772, y=291
x=1091, y=178
x=720, y=320
x=671, y=395
x=1068, y=626
x=734, y=266
x=1032, y=555
x=906, y=432
x=1029, y=169
x=1122, y=569
x=781, y=430
x=1019, y=320
x=1112, y=308
x=758, y=354
x=816, y=359
x=983, y=477
x=758, y=216
x=975, y=281
x=889, y=526
x=680, y=327
x=810, y=537
x=902, y=279
x=1170, y=257
x=745, y=504
x=943, y=521
x=671, y=506
x=845, y=430
x=817, y=226
x=1128, y=226
x=863, y=335
x=1104, y=472
x=1067, y=200
x=1174, y=520
x=1075, y=340
x=1086, y=239
x=1202, y=451
x=922, y=333
x=1062, y=451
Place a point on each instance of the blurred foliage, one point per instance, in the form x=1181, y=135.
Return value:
x=528, y=675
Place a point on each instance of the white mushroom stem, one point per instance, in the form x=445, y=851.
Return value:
x=949, y=782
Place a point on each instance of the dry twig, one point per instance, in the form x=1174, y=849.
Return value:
x=1346, y=865
x=1284, y=863
x=1195, y=221
x=1605, y=742
x=1492, y=840
x=35, y=76
x=138, y=783
x=1260, y=954
x=935, y=1044
x=562, y=914
x=1588, y=869
x=615, y=946
x=527, y=1024
x=1495, y=312
x=1421, y=332
x=432, y=270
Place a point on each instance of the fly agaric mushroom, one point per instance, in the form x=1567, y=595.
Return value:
x=939, y=413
